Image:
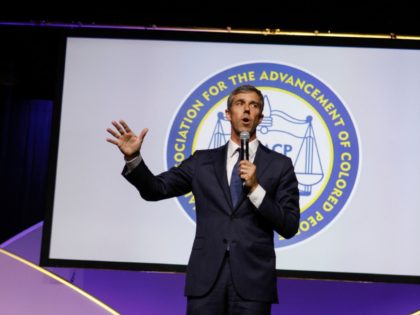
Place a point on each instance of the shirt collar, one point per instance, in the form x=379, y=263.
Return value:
x=253, y=146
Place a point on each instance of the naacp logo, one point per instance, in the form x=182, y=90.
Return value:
x=303, y=119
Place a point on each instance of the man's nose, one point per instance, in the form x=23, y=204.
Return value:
x=247, y=108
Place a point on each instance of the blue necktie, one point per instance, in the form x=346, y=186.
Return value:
x=236, y=184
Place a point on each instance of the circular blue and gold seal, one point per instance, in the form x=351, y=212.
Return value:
x=304, y=119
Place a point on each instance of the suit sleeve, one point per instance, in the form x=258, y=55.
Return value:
x=176, y=181
x=280, y=207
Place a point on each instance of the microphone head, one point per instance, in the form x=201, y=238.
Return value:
x=244, y=135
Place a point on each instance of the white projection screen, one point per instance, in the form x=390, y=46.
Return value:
x=346, y=114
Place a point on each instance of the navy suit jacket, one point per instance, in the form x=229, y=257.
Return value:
x=247, y=231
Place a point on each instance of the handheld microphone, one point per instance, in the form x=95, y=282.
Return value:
x=244, y=136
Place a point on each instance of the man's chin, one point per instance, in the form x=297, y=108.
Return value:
x=245, y=128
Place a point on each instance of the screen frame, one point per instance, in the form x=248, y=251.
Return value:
x=194, y=37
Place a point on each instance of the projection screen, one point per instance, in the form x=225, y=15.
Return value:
x=347, y=116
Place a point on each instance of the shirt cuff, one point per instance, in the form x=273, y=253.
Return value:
x=257, y=196
x=132, y=164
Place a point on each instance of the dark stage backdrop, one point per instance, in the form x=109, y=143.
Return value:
x=28, y=76
x=25, y=140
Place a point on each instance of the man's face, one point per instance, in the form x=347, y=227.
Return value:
x=245, y=114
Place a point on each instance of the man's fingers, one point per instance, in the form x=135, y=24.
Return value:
x=112, y=132
x=124, y=136
x=112, y=141
x=125, y=126
x=246, y=170
x=143, y=133
x=118, y=126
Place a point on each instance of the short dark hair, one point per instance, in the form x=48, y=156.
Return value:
x=244, y=89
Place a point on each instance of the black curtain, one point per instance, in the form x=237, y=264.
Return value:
x=24, y=149
x=28, y=71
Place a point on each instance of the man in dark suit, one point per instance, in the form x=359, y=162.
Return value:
x=231, y=269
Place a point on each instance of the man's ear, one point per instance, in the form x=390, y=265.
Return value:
x=261, y=118
x=227, y=113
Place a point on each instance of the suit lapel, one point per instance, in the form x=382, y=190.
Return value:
x=262, y=159
x=220, y=169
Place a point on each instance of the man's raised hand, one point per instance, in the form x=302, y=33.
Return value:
x=125, y=139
